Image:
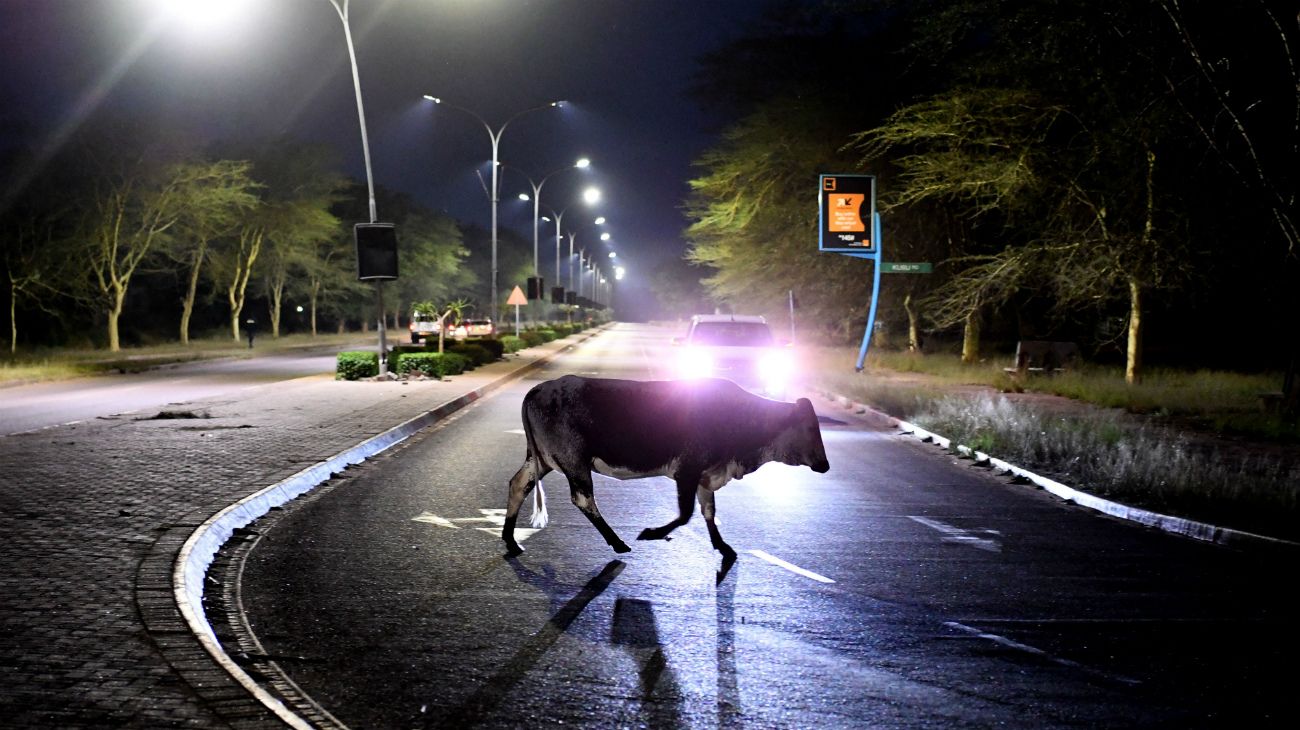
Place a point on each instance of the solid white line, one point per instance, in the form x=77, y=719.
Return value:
x=790, y=566
x=1004, y=641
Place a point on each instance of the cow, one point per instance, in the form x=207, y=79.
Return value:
x=699, y=433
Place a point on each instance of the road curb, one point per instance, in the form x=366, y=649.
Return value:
x=1167, y=523
x=196, y=555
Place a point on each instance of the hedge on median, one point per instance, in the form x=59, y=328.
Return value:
x=357, y=364
x=432, y=364
x=512, y=344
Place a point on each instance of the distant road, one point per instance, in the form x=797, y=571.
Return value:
x=42, y=405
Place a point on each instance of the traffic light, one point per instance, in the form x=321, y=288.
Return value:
x=376, y=251
x=536, y=285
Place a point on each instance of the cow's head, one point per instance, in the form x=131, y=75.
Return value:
x=799, y=443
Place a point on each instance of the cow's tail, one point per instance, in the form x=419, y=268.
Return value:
x=540, y=517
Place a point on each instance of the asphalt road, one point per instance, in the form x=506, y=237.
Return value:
x=904, y=588
x=43, y=405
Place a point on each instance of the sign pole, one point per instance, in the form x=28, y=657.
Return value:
x=875, y=292
x=846, y=209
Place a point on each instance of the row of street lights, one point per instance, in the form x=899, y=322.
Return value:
x=590, y=196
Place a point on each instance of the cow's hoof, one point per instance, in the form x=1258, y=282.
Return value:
x=728, y=554
x=621, y=547
x=513, y=549
x=652, y=533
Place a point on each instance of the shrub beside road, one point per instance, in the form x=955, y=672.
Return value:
x=1196, y=445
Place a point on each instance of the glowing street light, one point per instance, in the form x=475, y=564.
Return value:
x=581, y=164
x=494, y=194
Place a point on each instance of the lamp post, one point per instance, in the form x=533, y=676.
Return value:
x=581, y=164
x=495, y=136
x=342, y=10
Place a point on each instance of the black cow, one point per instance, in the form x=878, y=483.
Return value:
x=700, y=433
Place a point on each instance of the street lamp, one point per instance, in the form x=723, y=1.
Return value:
x=495, y=136
x=600, y=221
x=342, y=10
x=581, y=164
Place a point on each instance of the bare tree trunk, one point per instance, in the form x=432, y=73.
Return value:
x=191, y=292
x=913, y=325
x=311, y=303
x=970, y=343
x=277, y=301
x=13, y=318
x=1133, y=365
x=114, y=314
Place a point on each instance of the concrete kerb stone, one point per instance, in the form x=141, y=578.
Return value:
x=1167, y=523
x=200, y=549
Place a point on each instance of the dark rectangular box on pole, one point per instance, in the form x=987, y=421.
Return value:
x=570, y=297
x=557, y=295
x=536, y=287
x=376, y=251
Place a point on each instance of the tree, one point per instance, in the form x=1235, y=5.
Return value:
x=750, y=222
x=209, y=218
x=136, y=200
x=1241, y=94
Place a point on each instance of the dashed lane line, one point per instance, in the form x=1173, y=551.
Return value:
x=1035, y=651
x=954, y=534
x=789, y=566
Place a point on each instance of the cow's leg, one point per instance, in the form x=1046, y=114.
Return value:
x=582, y=491
x=520, y=485
x=686, y=486
x=709, y=511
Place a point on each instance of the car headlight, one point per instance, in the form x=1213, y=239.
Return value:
x=775, y=368
x=694, y=363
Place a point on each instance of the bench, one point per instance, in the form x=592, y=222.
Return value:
x=1044, y=357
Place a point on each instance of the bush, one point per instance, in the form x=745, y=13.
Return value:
x=355, y=364
x=562, y=330
x=432, y=364
x=475, y=353
x=532, y=338
x=512, y=343
x=494, y=347
x=547, y=335
x=454, y=363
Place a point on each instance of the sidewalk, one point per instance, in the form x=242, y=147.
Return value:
x=93, y=516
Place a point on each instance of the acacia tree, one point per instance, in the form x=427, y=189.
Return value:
x=32, y=258
x=302, y=225
x=1242, y=97
x=750, y=224
x=135, y=203
x=210, y=218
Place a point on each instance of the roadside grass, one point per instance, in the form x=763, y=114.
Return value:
x=1152, y=461
x=47, y=364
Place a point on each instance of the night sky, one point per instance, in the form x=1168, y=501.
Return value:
x=281, y=67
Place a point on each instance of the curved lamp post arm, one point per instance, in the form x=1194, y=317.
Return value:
x=342, y=10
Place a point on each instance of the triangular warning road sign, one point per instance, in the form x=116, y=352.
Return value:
x=517, y=297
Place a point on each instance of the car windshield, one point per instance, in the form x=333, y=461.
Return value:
x=731, y=334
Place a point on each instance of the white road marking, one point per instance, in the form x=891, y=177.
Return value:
x=433, y=519
x=789, y=566
x=1010, y=644
x=518, y=431
x=494, y=516
x=955, y=534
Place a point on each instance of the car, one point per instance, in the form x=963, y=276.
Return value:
x=473, y=328
x=422, y=327
x=740, y=348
